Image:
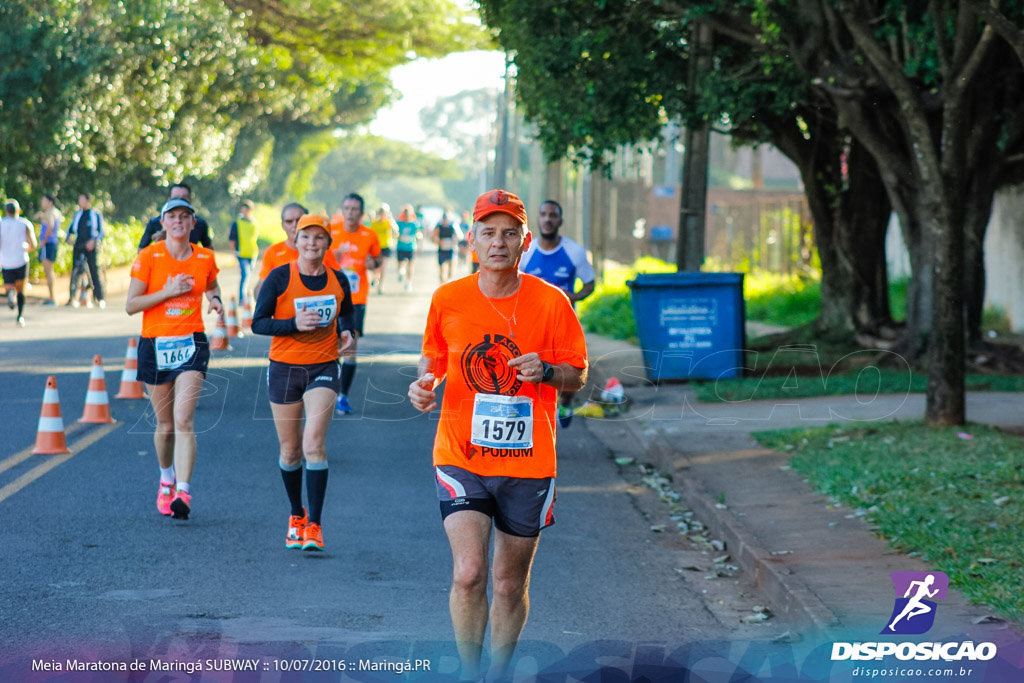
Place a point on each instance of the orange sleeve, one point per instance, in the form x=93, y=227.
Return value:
x=570, y=342
x=374, y=245
x=143, y=266
x=267, y=264
x=434, y=344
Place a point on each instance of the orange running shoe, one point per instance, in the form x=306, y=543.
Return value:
x=164, y=496
x=295, y=538
x=313, y=538
x=181, y=506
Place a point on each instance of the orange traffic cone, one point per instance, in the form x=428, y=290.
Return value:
x=219, y=340
x=50, y=438
x=245, y=317
x=97, y=404
x=232, y=320
x=131, y=387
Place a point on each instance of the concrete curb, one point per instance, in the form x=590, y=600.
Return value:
x=788, y=595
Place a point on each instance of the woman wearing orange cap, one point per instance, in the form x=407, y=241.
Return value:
x=308, y=309
x=169, y=279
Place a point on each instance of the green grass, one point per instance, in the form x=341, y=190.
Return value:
x=865, y=383
x=957, y=503
x=609, y=310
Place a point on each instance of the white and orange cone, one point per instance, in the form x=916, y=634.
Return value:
x=97, y=403
x=131, y=387
x=232, y=320
x=50, y=438
x=245, y=315
x=219, y=340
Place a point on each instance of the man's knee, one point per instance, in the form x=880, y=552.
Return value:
x=510, y=586
x=469, y=575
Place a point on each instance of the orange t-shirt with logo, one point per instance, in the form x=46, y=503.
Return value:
x=280, y=254
x=491, y=423
x=352, y=249
x=182, y=314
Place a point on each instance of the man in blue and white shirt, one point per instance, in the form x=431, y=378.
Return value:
x=559, y=261
x=87, y=229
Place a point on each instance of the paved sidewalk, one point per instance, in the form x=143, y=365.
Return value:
x=820, y=567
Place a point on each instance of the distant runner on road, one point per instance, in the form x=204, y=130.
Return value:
x=409, y=234
x=17, y=239
x=358, y=250
x=560, y=261
x=307, y=308
x=244, y=240
x=169, y=279
x=506, y=342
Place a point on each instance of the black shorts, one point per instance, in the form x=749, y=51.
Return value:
x=148, y=372
x=48, y=251
x=12, y=275
x=404, y=255
x=358, y=315
x=519, y=506
x=286, y=383
x=385, y=252
x=444, y=256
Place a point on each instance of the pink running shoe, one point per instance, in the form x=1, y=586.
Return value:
x=181, y=505
x=164, y=496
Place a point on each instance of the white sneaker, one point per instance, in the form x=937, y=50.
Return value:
x=102, y=303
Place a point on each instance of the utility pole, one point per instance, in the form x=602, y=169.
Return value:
x=693, y=208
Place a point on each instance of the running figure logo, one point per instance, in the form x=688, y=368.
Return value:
x=485, y=365
x=914, y=612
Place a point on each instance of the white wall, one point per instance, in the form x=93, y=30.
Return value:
x=1004, y=255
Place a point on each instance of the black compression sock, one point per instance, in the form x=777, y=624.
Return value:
x=348, y=373
x=292, y=477
x=316, y=489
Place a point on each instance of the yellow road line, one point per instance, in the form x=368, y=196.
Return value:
x=21, y=456
x=55, y=460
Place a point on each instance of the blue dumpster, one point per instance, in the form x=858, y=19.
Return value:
x=690, y=325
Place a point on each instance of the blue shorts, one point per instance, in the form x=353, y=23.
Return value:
x=286, y=382
x=518, y=506
x=443, y=256
x=48, y=251
x=148, y=372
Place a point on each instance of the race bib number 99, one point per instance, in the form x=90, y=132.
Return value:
x=173, y=352
x=502, y=421
x=326, y=306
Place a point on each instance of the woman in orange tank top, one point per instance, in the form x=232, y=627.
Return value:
x=307, y=308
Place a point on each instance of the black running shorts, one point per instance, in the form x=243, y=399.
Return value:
x=286, y=383
x=150, y=374
x=519, y=506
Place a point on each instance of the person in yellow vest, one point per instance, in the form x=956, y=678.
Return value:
x=243, y=239
x=386, y=229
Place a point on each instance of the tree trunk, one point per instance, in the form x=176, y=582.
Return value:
x=850, y=219
x=977, y=214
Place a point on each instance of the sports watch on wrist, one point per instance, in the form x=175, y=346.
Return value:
x=549, y=372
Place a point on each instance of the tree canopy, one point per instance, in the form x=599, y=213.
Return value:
x=921, y=99
x=115, y=97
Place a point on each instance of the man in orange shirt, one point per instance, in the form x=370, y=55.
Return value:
x=494, y=454
x=358, y=250
x=285, y=251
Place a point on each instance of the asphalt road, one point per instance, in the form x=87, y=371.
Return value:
x=88, y=568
